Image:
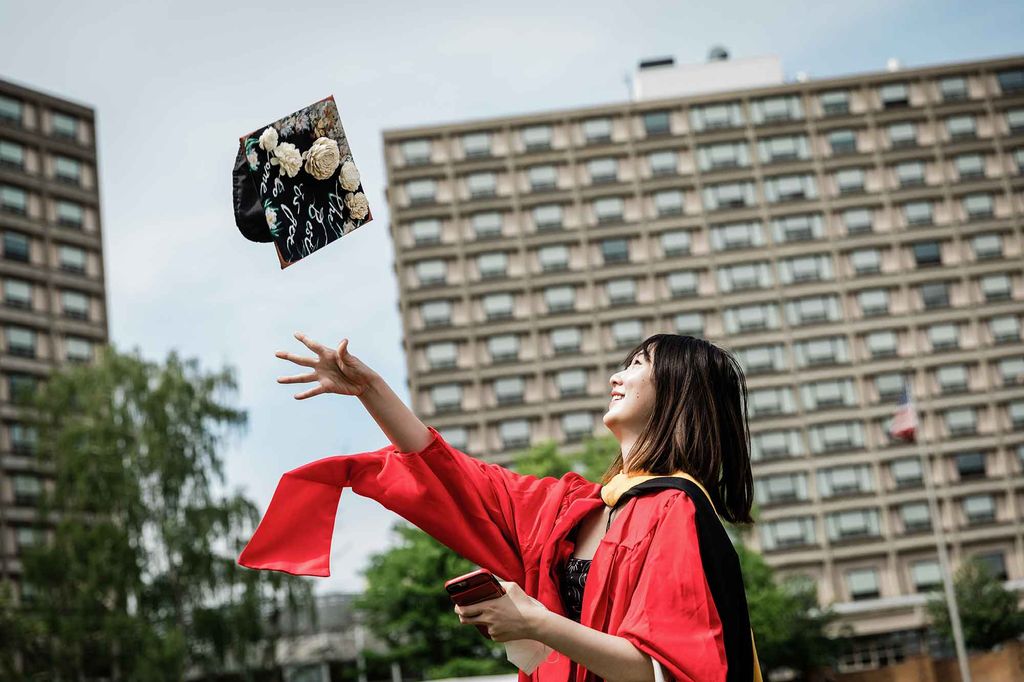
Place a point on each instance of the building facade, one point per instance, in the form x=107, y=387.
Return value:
x=840, y=236
x=51, y=269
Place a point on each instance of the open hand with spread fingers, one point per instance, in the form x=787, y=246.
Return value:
x=334, y=371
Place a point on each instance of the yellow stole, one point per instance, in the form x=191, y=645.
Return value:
x=621, y=482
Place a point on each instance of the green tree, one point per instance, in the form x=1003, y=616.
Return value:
x=137, y=578
x=989, y=613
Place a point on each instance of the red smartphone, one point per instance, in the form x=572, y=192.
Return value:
x=476, y=586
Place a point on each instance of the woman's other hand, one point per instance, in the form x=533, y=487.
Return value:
x=514, y=615
x=334, y=371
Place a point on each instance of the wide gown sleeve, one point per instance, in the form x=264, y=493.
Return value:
x=484, y=512
x=672, y=616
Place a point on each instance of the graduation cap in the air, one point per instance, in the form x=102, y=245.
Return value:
x=295, y=183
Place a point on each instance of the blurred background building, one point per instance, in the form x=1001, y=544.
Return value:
x=51, y=269
x=842, y=236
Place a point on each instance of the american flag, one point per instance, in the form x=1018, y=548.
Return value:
x=904, y=421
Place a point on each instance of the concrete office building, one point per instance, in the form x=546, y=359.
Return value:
x=51, y=269
x=838, y=234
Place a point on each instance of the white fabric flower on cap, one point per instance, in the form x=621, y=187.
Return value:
x=271, y=216
x=349, y=178
x=357, y=205
x=287, y=156
x=323, y=158
x=268, y=140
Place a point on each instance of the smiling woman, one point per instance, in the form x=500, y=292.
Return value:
x=628, y=580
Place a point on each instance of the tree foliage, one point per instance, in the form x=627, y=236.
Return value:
x=136, y=578
x=989, y=613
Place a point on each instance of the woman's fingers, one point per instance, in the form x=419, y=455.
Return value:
x=297, y=379
x=297, y=359
x=309, y=343
x=310, y=393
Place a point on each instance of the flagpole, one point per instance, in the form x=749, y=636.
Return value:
x=939, y=533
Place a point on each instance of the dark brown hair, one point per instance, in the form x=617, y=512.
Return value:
x=699, y=421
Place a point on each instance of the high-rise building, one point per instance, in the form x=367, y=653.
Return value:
x=839, y=235
x=51, y=268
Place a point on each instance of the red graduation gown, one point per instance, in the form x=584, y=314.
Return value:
x=646, y=582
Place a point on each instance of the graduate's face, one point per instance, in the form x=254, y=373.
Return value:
x=631, y=397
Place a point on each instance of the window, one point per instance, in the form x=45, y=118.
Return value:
x=415, y=152
x=750, y=318
x=969, y=166
x=769, y=445
x=987, y=246
x=1015, y=121
x=970, y=465
x=765, y=402
x=20, y=341
x=785, y=148
x=657, y=123
x=482, y=185
x=499, y=306
x=953, y=88
x=675, y=242
x=426, y=231
x=736, y=236
x=882, y=344
x=785, y=533
x=789, y=188
x=441, y=355
x=743, y=276
x=627, y=332
x=689, y=324
x=20, y=386
x=436, y=313
x=12, y=155
x=17, y=293
x=67, y=170
x=961, y=127
x=476, y=145
x=1004, y=328
x=996, y=287
x=65, y=125
x=994, y=563
x=729, y=195
x=597, y=130
x=11, y=110
x=944, y=336
x=553, y=258
x=894, y=95
x=24, y=438
x=571, y=382
x=850, y=180
x=668, y=202
x=615, y=250
x=935, y=295
x=514, y=433
x=873, y=302
x=781, y=488
x=915, y=517
x=866, y=261
x=952, y=378
x=542, y=178
x=978, y=206
x=889, y=385
x=715, y=116
x=1011, y=370
x=503, y=347
x=961, y=421
x=16, y=246
x=862, y=584
x=843, y=141
x=609, y=209
x=776, y=109
x=845, y=480
x=74, y=304
x=621, y=291
x=509, y=390
x=577, y=425
x=910, y=173
x=907, y=472
x=760, y=359
x=70, y=214
x=797, y=228
x=925, y=575
x=457, y=436
x=493, y=265
x=566, y=340
x=536, y=137
x=810, y=268
x=927, y=253
x=823, y=351
x=560, y=298
x=446, y=397
x=682, y=283
x=853, y=524
x=918, y=213
x=1011, y=80
x=858, y=220
x=813, y=310
x=603, y=170
x=836, y=436
x=979, y=508
x=903, y=134
x=548, y=216
x=663, y=163
x=13, y=200
x=835, y=102
x=722, y=155
x=431, y=272
x=486, y=225
x=421, y=191
x=828, y=393
x=27, y=489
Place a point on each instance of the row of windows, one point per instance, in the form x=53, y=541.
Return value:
x=63, y=212
x=27, y=342
x=63, y=169
x=59, y=124
x=864, y=524
x=738, y=319
x=921, y=575
x=19, y=247
x=701, y=118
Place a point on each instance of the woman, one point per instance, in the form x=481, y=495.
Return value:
x=653, y=565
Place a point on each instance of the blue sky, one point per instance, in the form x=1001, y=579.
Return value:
x=175, y=84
